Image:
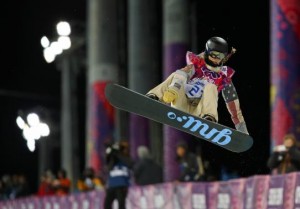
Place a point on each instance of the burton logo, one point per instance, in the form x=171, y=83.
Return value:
x=220, y=137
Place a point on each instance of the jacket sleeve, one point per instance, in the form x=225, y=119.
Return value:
x=233, y=105
x=137, y=167
x=295, y=154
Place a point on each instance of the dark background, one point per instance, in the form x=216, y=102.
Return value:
x=27, y=82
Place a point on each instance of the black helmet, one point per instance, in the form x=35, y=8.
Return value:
x=215, y=44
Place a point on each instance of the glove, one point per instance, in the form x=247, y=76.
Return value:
x=116, y=146
x=242, y=127
x=108, y=150
x=170, y=95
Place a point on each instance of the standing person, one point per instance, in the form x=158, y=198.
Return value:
x=45, y=186
x=89, y=181
x=23, y=187
x=119, y=166
x=2, y=191
x=187, y=162
x=205, y=170
x=285, y=158
x=195, y=88
x=62, y=184
x=146, y=171
x=7, y=185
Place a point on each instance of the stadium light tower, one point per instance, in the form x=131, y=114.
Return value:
x=65, y=50
x=33, y=129
x=63, y=42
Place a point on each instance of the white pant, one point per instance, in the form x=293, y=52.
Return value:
x=207, y=105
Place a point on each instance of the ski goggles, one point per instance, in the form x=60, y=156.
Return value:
x=217, y=55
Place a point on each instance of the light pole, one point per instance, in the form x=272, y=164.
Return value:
x=64, y=50
x=32, y=129
x=40, y=134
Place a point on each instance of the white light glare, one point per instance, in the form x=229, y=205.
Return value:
x=44, y=129
x=49, y=55
x=64, y=42
x=33, y=119
x=63, y=28
x=45, y=42
x=34, y=130
x=20, y=122
x=27, y=133
x=56, y=47
x=31, y=145
x=31, y=133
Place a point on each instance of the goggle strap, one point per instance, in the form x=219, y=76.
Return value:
x=232, y=52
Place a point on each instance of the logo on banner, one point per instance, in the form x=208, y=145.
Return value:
x=199, y=201
x=159, y=201
x=275, y=196
x=222, y=137
x=75, y=205
x=223, y=201
x=86, y=204
x=143, y=202
x=249, y=197
x=297, y=195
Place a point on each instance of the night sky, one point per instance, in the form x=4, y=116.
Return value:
x=27, y=82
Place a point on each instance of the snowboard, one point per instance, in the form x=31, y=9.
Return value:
x=215, y=133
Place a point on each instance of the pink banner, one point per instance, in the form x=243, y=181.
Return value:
x=296, y=190
x=237, y=188
x=212, y=192
x=199, y=197
x=183, y=195
x=256, y=192
x=285, y=65
x=156, y=196
x=276, y=191
x=101, y=125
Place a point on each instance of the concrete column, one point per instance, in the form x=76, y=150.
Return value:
x=66, y=117
x=44, y=156
x=102, y=68
x=143, y=61
x=121, y=123
x=76, y=172
x=176, y=42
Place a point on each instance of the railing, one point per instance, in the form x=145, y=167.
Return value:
x=256, y=192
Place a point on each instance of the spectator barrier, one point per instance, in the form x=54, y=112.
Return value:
x=256, y=192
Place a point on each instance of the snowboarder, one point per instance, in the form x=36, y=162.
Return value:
x=195, y=88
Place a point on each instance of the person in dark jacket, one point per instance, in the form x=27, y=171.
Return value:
x=285, y=158
x=119, y=166
x=188, y=164
x=146, y=170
